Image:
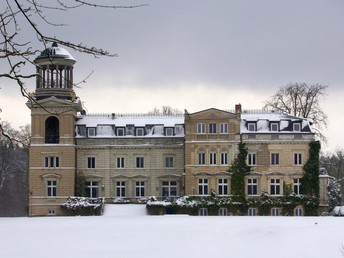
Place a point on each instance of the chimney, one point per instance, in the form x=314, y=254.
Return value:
x=238, y=108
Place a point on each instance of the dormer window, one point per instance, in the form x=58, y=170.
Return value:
x=169, y=131
x=140, y=132
x=274, y=127
x=297, y=127
x=120, y=132
x=251, y=127
x=91, y=132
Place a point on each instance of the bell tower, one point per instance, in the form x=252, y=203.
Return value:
x=52, y=161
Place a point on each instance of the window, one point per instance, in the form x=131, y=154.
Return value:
x=275, y=159
x=91, y=162
x=252, y=212
x=223, y=212
x=275, y=186
x=297, y=127
x=51, y=188
x=252, y=186
x=140, y=132
x=52, y=130
x=224, y=158
x=139, y=162
x=252, y=159
x=120, y=132
x=169, y=188
x=169, y=162
x=203, y=186
x=203, y=212
x=223, y=128
x=212, y=158
x=51, y=212
x=169, y=132
x=297, y=186
x=298, y=212
x=120, y=189
x=222, y=186
x=297, y=159
x=120, y=162
x=140, y=189
x=275, y=212
x=274, y=127
x=92, y=189
x=201, y=158
x=251, y=127
x=201, y=128
x=51, y=162
x=212, y=128
x=91, y=132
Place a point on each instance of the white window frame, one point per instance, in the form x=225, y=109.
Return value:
x=201, y=158
x=169, y=131
x=298, y=211
x=91, y=162
x=120, y=162
x=252, y=212
x=222, y=186
x=140, y=189
x=52, y=188
x=91, y=132
x=169, y=188
x=212, y=158
x=51, y=161
x=203, y=212
x=223, y=211
x=203, y=186
x=275, y=159
x=120, y=132
x=275, y=186
x=274, y=127
x=51, y=212
x=140, y=162
x=224, y=128
x=212, y=127
x=252, y=186
x=297, y=159
x=120, y=189
x=252, y=159
x=140, y=132
x=275, y=211
x=169, y=162
x=224, y=158
x=251, y=127
x=93, y=186
x=297, y=186
x=201, y=128
x=297, y=127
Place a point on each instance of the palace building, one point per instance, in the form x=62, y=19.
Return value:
x=129, y=157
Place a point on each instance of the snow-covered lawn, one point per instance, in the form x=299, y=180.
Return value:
x=125, y=231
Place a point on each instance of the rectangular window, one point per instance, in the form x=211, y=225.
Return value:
x=201, y=158
x=91, y=162
x=223, y=128
x=91, y=132
x=223, y=212
x=169, y=162
x=120, y=189
x=201, y=128
x=203, y=186
x=169, y=131
x=274, y=127
x=51, y=188
x=120, y=132
x=251, y=127
x=203, y=212
x=140, y=132
x=251, y=159
x=212, y=158
x=51, y=162
x=140, y=162
x=169, y=188
x=140, y=189
x=212, y=128
x=252, y=211
x=297, y=159
x=297, y=127
x=298, y=212
x=275, y=186
x=120, y=162
x=252, y=186
x=92, y=189
x=297, y=186
x=275, y=212
x=223, y=186
x=275, y=159
x=224, y=158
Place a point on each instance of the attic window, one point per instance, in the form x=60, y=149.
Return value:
x=169, y=131
x=120, y=132
x=297, y=127
x=251, y=127
x=274, y=127
x=91, y=132
x=140, y=132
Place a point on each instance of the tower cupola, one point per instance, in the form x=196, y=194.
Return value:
x=54, y=73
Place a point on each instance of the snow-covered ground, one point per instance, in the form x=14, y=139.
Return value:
x=125, y=231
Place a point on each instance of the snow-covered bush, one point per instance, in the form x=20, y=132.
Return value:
x=83, y=206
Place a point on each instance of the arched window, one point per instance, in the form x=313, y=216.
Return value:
x=52, y=134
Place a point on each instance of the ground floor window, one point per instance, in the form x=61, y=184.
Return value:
x=139, y=188
x=120, y=189
x=252, y=186
x=223, y=186
x=298, y=212
x=92, y=189
x=275, y=212
x=169, y=188
x=223, y=212
x=203, y=186
x=51, y=188
x=203, y=212
x=252, y=212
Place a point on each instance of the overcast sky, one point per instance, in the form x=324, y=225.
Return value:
x=200, y=54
